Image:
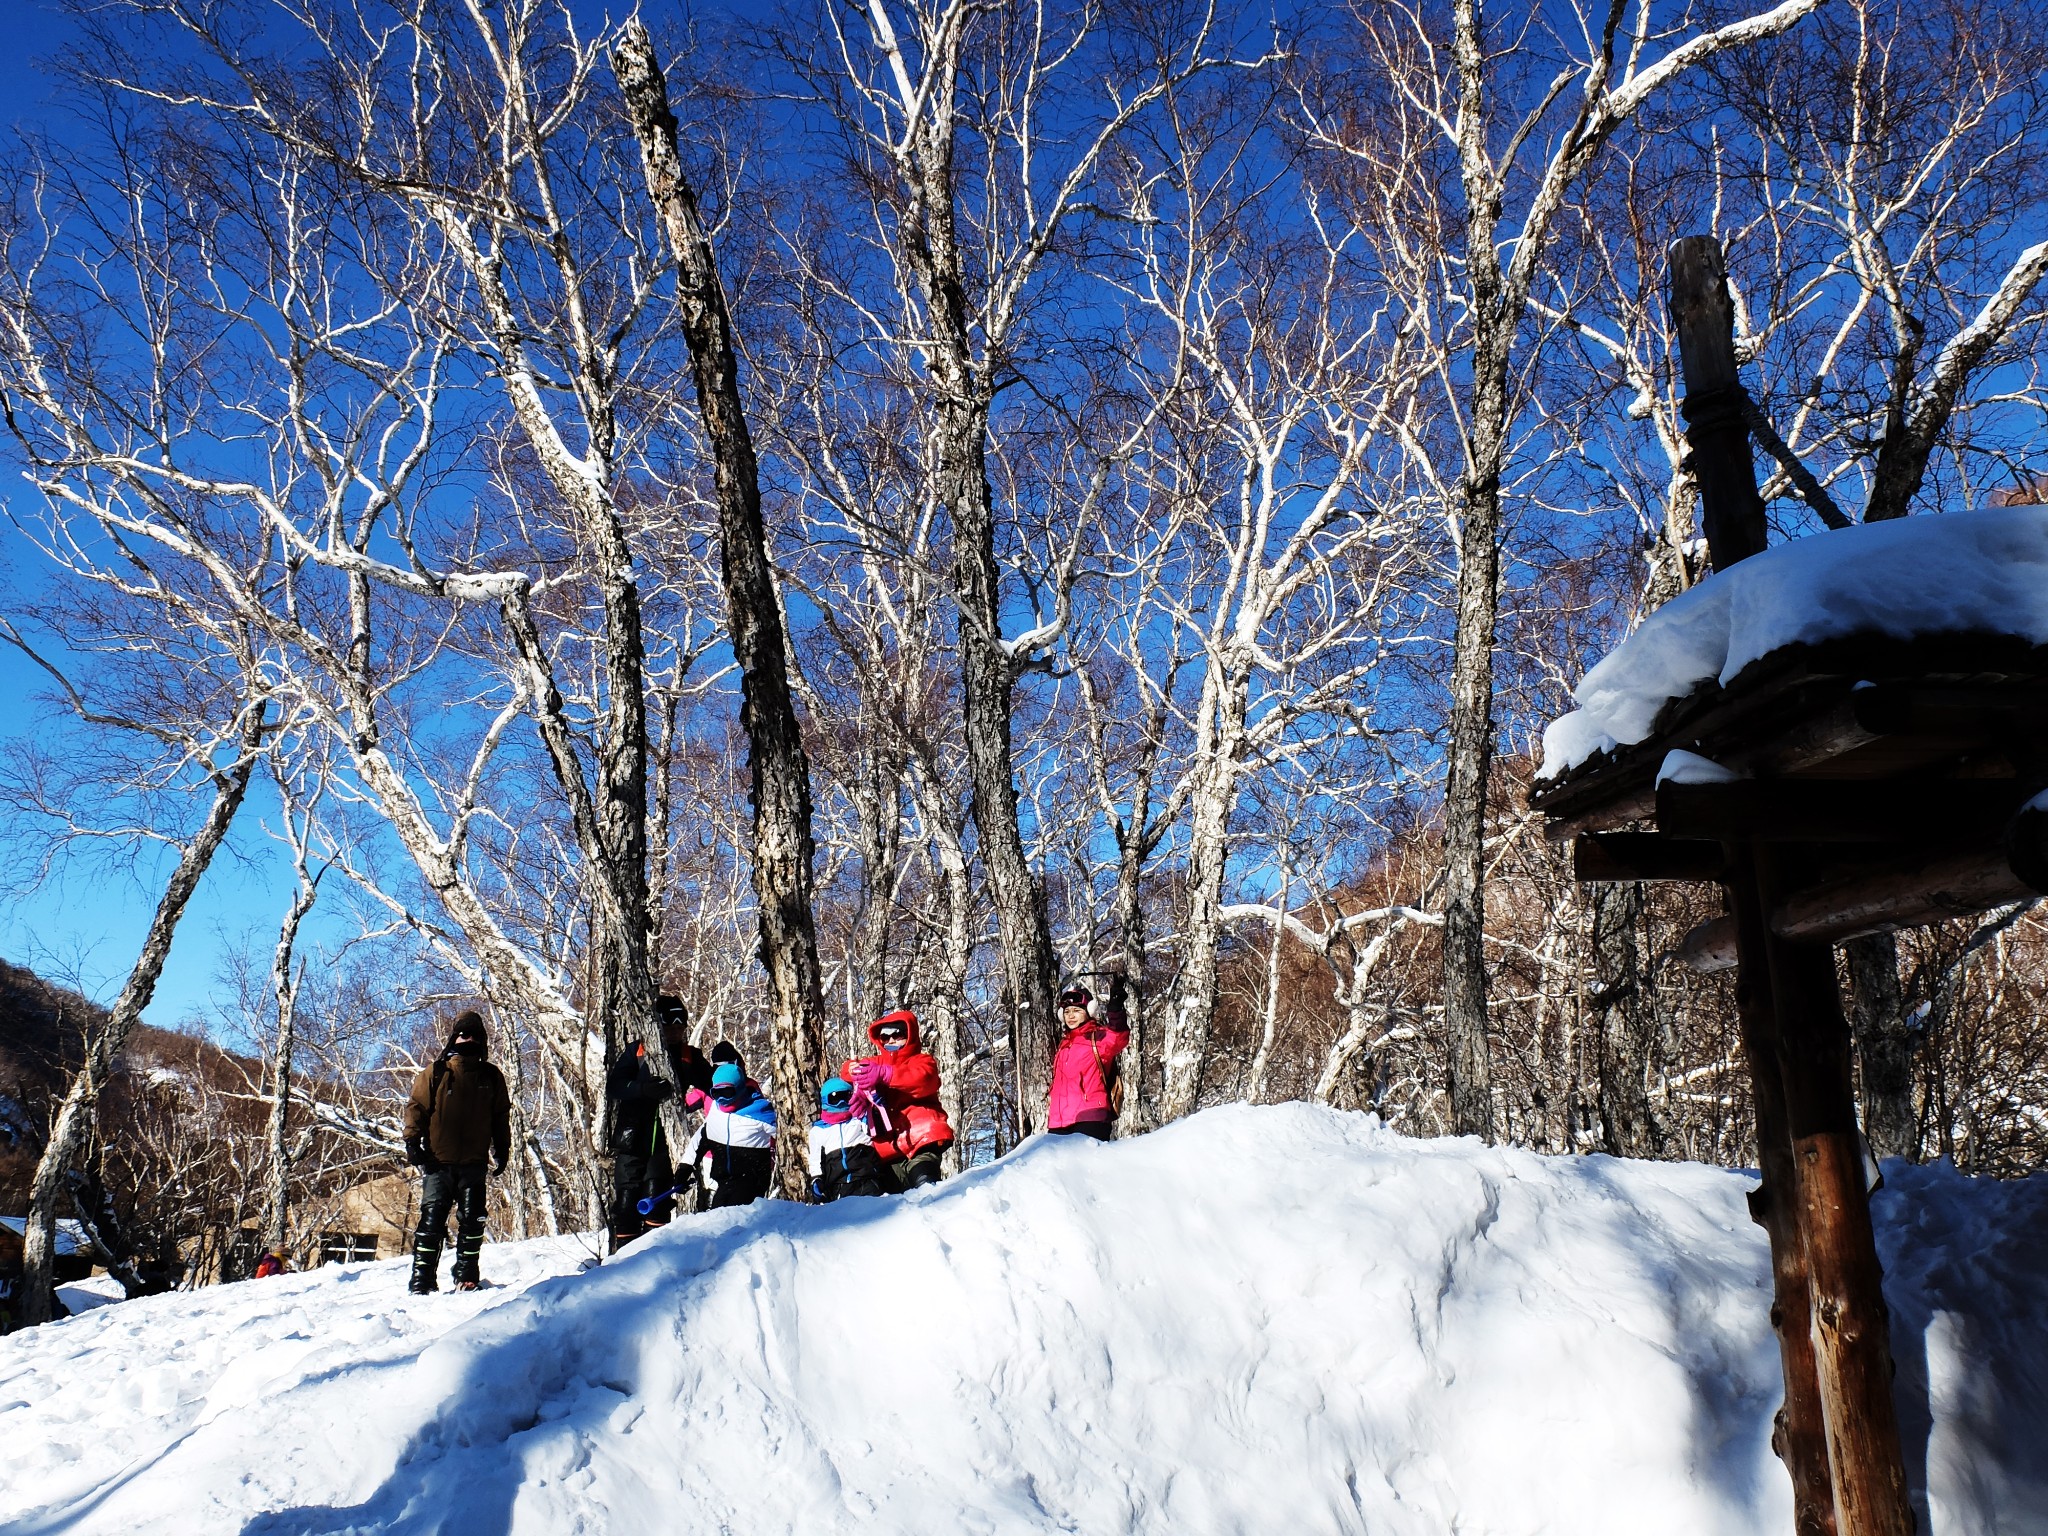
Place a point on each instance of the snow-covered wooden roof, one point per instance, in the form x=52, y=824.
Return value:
x=1970, y=586
x=1876, y=696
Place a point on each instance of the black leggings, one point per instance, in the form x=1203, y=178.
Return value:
x=1099, y=1130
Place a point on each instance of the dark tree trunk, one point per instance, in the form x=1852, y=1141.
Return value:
x=929, y=245
x=1468, y=754
x=780, y=771
x=75, y=1118
x=1884, y=1046
x=1627, y=1026
x=1135, y=843
x=1469, y=763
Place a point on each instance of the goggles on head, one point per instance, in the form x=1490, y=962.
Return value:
x=1076, y=997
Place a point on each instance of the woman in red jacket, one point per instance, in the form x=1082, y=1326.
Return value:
x=901, y=1083
x=1084, y=1066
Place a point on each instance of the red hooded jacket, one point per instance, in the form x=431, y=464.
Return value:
x=907, y=1086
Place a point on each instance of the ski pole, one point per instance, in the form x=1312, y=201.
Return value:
x=647, y=1206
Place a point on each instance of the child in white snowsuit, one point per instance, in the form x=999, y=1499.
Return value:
x=843, y=1158
x=736, y=1145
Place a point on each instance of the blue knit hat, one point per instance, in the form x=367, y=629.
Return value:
x=728, y=1076
x=834, y=1089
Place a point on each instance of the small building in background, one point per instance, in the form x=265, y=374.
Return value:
x=74, y=1256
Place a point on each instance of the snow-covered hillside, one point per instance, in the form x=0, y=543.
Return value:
x=1259, y=1320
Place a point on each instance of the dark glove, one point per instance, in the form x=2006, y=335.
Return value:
x=1116, y=994
x=498, y=1160
x=415, y=1152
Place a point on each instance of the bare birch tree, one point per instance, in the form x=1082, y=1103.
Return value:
x=1444, y=118
x=228, y=763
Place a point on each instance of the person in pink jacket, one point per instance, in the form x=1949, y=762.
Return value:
x=1084, y=1066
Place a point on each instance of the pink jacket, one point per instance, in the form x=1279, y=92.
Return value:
x=1079, y=1087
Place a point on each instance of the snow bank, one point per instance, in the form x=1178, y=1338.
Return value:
x=1257, y=1320
x=93, y=1291
x=1965, y=572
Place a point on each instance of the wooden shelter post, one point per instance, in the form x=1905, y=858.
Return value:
x=1800, y=1435
x=1731, y=510
x=1838, y=1431
x=1851, y=1330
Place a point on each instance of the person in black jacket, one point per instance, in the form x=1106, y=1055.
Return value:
x=641, y=1166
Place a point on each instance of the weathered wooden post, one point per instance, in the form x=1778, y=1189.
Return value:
x=1731, y=511
x=1733, y=517
x=1837, y=1431
x=1800, y=1438
x=1851, y=1326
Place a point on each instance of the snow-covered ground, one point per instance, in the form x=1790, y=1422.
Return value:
x=1259, y=1320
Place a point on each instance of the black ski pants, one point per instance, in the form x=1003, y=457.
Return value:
x=742, y=1173
x=639, y=1172
x=1099, y=1130
x=458, y=1187
x=925, y=1166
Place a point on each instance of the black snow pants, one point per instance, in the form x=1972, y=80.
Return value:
x=924, y=1166
x=640, y=1171
x=460, y=1187
x=742, y=1174
x=1099, y=1130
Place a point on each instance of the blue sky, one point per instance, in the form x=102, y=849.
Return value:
x=84, y=926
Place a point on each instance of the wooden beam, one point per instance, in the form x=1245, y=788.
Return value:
x=1910, y=898
x=1958, y=712
x=1731, y=511
x=1710, y=947
x=1637, y=804
x=1850, y=1325
x=1841, y=810
x=1799, y=1434
x=1811, y=743
x=1630, y=856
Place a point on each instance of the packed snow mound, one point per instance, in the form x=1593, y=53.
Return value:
x=1257, y=1320
x=1960, y=573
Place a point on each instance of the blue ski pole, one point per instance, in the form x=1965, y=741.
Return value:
x=647, y=1206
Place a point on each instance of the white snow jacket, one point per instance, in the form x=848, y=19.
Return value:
x=836, y=1140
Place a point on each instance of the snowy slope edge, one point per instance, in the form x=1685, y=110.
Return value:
x=1255, y=1320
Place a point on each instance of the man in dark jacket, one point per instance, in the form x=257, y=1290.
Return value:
x=641, y=1166
x=459, y=1113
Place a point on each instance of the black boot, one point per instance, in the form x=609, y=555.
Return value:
x=469, y=1249
x=426, y=1268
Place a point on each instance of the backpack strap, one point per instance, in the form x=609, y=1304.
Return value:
x=1112, y=1075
